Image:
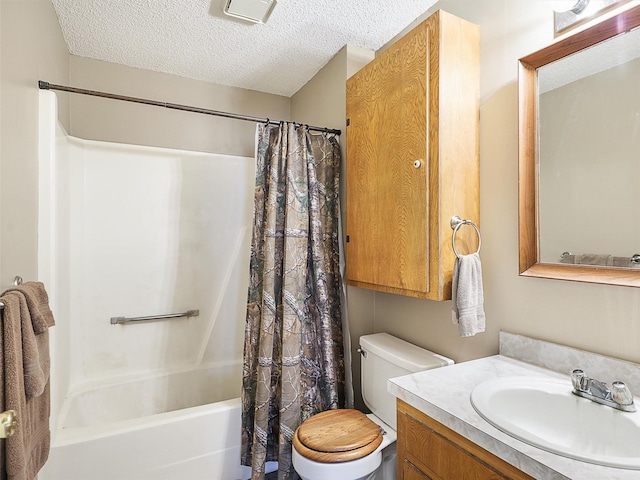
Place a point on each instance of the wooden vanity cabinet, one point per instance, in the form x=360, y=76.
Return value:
x=429, y=450
x=412, y=159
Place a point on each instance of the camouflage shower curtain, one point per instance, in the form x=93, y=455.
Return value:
x=293, y=351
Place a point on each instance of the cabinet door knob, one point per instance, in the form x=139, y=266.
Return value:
x=417, y=163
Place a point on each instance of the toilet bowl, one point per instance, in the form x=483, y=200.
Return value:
x=348, y=445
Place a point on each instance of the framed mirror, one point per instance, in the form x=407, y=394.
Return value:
x=579, y=156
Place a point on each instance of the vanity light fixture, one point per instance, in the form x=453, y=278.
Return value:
x=255, y=11
x=570, y=14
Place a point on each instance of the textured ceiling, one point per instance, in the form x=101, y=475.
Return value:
x=194, y=39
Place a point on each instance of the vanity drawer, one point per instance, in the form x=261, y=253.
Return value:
x=429, y=450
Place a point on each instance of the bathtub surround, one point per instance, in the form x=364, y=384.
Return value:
x=293, y=355
x=132, y=231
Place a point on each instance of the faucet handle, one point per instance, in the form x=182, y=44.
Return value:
x=621, y=394
x=578, y=380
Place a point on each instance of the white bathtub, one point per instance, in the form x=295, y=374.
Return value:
x=125, y=431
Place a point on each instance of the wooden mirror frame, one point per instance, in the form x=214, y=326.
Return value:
x=528, y=216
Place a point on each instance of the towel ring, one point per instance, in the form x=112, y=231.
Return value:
x=456, y=223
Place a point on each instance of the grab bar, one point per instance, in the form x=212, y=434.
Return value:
x=190, y=313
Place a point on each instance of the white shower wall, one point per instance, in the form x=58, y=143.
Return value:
x=155, y=231
x=135, y=231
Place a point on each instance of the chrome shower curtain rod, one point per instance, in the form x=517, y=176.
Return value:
x=174, y=106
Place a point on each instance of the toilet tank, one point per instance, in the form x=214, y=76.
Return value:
x=383, y=357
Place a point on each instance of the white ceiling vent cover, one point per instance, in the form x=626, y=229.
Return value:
x=256, y=11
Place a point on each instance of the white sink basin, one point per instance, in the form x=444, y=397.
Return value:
x=544, y=413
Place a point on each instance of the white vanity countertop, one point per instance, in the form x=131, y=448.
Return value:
x=444, y=394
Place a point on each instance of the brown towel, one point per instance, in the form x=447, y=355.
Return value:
x=38, y=303
x=593, y=259
x=35, y=351
x=599, y=260
x=623, y=262
x=28, y=449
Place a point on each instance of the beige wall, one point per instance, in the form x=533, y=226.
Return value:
x=599, y=318
x=32, y=49
x=116, y=121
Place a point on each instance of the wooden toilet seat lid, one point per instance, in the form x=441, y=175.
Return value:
x=337, y=436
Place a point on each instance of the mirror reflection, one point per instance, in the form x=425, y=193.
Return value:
x=589, y=155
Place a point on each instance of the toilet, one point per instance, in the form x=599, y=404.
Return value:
x=346, y=444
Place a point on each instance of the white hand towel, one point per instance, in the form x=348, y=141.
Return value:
x=468, y=295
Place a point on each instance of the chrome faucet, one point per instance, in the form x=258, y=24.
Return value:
x=617, y=396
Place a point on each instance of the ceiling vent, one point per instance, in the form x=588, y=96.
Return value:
x=256, y=11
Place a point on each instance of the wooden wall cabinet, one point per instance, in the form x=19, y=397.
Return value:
x=413, y=159
x=429, y=450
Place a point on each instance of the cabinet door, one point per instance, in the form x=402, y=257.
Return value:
x=411, y=472
x=387, y=196
x=426, y=447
